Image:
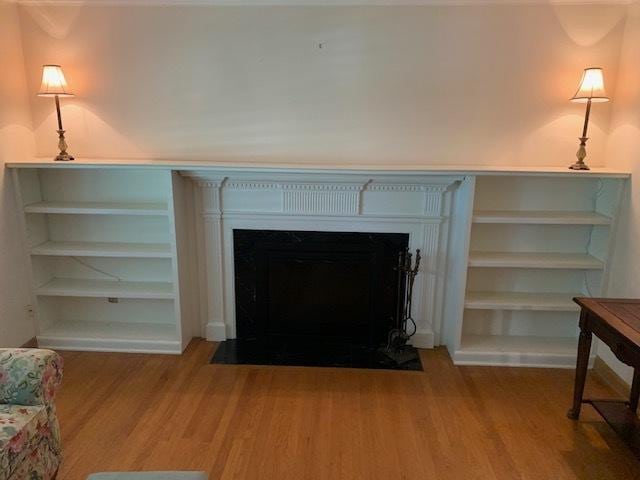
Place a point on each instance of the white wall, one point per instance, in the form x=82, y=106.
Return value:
x=16, y=141
x=463, y=84
x=623, y=151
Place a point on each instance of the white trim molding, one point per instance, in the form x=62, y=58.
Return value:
x=321, y=198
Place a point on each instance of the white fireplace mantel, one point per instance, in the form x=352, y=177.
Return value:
x=416, y=205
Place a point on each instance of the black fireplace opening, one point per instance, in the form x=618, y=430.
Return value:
x=315, y=298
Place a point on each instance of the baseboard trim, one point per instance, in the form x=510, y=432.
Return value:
x=216, y=331
x=423, y=339
x=607, y=375
x=31, y=343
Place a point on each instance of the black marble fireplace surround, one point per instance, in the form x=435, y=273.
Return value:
x=315, y=298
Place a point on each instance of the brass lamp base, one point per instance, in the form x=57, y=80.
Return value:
x=579, y=166
x=581, y=154
x=63, y=156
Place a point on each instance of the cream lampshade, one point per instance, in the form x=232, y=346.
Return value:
x=591, y=90
x=591, y=87
x=55, y=85
x=53, y=82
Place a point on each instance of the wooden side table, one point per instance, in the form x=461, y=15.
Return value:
x=617, y=323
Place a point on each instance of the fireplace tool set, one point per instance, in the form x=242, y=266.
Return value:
x=407, y=271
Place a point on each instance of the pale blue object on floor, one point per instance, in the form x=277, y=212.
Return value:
x=148, y=476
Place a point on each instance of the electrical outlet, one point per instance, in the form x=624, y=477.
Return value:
x=29, y=311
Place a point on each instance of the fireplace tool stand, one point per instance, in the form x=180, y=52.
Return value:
x=399, y=335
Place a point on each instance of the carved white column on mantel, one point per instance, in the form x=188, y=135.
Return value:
x=210, y=248
x=434, y=266
x=429, y=285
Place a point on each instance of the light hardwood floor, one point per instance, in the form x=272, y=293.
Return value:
x=145, y=412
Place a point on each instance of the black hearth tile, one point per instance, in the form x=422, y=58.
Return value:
x=308, y=354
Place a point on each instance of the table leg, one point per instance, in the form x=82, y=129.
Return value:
x=635, y=391
x=582, y=364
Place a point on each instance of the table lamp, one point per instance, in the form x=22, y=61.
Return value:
x=591, y=90
x=54, y=85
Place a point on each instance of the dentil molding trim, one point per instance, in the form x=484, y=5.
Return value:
x=321, y=194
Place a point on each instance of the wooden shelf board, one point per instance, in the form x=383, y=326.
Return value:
x=98, y=208
x=534, y=260
x=540, y=217
x=517, y=351
x=103, y=249
x=111, y=337
x=71, y=287
x=561, y=302
x=622, y=420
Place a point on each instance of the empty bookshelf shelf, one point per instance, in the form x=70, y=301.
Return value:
x=517, y=351
x=103, y=249
x=561, y=302
x=72, y=287
x=98, y=208
x=540, y=217
x=111, y=336
x=534, y=260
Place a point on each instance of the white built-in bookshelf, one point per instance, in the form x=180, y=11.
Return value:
x=103, y=247
x=535, y=243
x=136, y=256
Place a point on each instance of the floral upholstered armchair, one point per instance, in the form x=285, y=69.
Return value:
x=29, y=433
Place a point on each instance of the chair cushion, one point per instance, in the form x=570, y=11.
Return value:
x=148, y=476
x=29, y=376
x=22, y=428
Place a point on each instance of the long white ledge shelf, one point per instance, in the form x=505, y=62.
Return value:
x=560, y=302
x=249, y=165
x=103, y=249
x=517, y=351
x=540, y=217
x=578, y=261
x=110, y=337
x=73, y=287
x=98, y=208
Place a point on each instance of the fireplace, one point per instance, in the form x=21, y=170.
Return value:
x=267, y=199
x=310, y=297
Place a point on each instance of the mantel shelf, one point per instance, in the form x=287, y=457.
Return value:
x=578, y=261
x=103, y=249
x=540, y=217
x=73, y=287
x=561, y=302
x=98, y=208
x=250, y=165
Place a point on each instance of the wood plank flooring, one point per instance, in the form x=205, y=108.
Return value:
x=163, y=412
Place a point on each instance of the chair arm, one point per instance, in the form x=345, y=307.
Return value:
x=29, y=376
